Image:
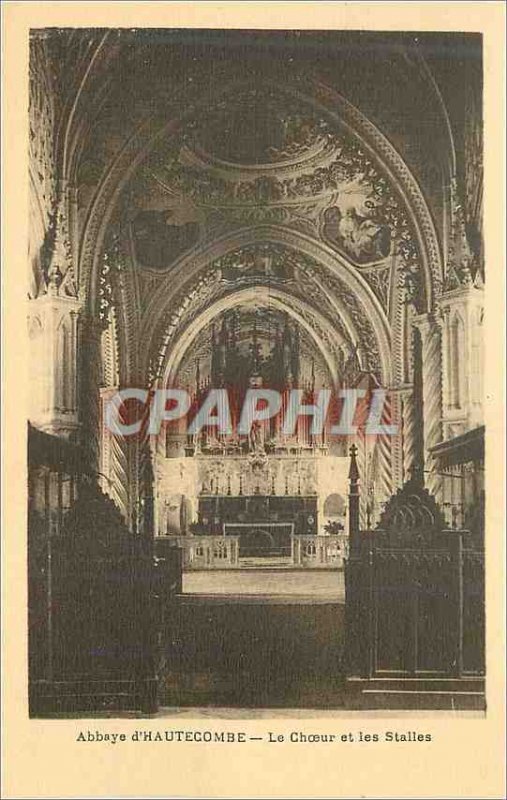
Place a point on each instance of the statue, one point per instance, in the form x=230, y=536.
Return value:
x=256, y=438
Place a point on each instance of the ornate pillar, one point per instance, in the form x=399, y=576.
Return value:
x=430, y=367
x=53, y=330
x=412, y=434
x=396, y=440
x=114, y=459
x=462, y=349
x=90, y=375
x=384, y=486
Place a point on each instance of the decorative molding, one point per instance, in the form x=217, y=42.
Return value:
x=330, y=295
x=373, y=140
x=373, y=321
x=53, y=332
x=459, y=266
x=411, y=518
x=405, y=183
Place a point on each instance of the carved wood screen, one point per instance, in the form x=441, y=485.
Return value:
x=96, y=603
x=415, y=594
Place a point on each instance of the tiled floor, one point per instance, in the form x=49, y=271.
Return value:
x=304, y=585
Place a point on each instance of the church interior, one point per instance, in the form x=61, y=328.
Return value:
x=252, y=209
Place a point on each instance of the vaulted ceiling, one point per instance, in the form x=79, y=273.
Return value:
x=199, y=169
x=92, y=89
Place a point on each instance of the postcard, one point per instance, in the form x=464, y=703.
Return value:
x=254, y=414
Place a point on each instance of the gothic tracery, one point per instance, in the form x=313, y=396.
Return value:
x=159, y=220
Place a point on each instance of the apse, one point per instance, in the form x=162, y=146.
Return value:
x=254, y=340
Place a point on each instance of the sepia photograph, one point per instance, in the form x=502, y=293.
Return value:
x=253, y=408
x=256, y=431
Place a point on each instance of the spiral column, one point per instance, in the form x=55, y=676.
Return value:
x=90, y=379
x=384, y=456
x=361, y=453
x=396, y=440
x=114, y=473
x=412, y=435
x=431, y=390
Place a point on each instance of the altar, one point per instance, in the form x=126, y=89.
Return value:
x=264, y=524
x=223, y=510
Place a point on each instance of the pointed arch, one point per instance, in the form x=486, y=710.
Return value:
x=316, y=94
x=192, y=264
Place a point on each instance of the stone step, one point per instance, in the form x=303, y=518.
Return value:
x=466, y=693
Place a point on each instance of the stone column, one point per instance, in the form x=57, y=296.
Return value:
x=114, y=458
x=53, y=330
x=396, y=440
x=431, y=389
x=90, y=379
x=384, y=455
x=412, y=435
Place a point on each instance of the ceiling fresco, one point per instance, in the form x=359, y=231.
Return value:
x=263, y=156
x=161, y=236
x=256, y=129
